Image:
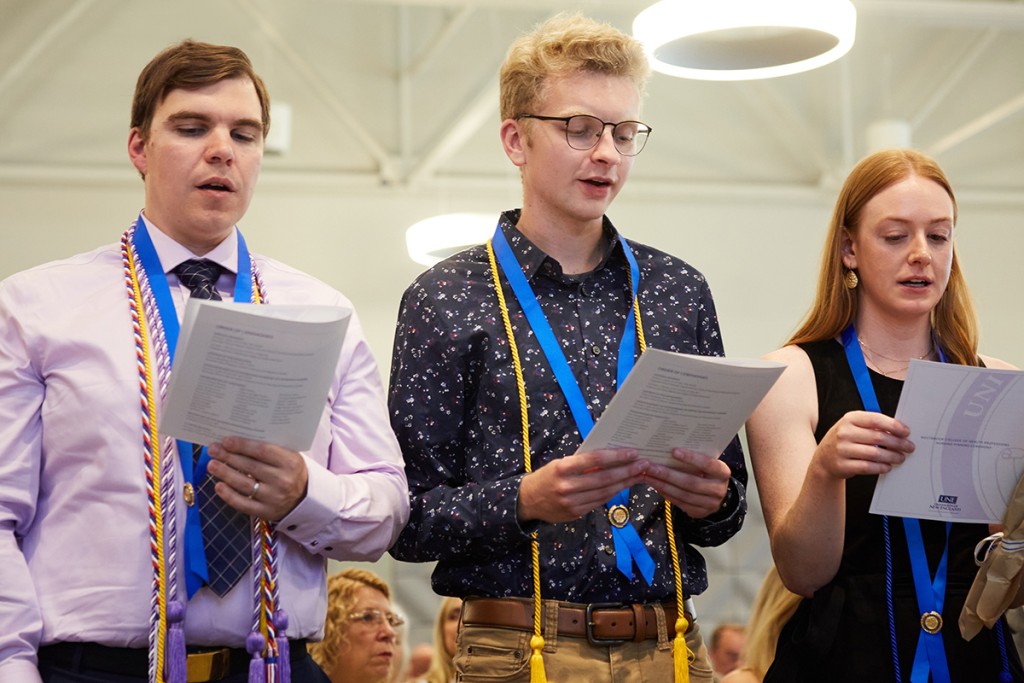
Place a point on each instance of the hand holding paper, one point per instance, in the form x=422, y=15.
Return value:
x=697, y=484
x=260, y=372
x=680, y=400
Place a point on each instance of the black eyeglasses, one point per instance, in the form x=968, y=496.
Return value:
x=583, y=132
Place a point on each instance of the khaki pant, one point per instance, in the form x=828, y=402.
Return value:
x=487, y=653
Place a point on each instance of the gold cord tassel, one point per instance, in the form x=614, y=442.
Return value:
x=681, y=654
x=537, y=674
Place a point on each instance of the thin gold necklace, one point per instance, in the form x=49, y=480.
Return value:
x=905, y=362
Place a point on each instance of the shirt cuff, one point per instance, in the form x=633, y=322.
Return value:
x=731, y=504
x=312, y=517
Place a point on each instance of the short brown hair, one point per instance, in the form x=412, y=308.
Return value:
x=565, y=44
x=191, y=65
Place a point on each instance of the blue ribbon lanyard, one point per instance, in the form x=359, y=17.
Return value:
x=195, y=555
x=629, y=547
x=930, y=656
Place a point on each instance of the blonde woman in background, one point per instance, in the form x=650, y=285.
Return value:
x=773, y=607
x=446, y=628
x=360, y=640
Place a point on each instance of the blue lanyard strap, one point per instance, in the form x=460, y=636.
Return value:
x=195, y=555
x=629, y=547
x=930, y=655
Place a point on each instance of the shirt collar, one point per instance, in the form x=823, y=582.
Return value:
x=532, y=258
x=172, y=254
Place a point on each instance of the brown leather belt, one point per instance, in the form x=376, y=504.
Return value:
x=600, y=623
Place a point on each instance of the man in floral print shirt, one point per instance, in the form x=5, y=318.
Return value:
x=570, y=104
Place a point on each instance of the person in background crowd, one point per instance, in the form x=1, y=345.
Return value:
x=360, y=641
x=446, y=629
x=773, y=607
x=421, y=656
x=725, y=648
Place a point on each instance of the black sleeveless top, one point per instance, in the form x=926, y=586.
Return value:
x=842, y=633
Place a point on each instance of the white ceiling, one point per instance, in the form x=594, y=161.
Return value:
x=404, y=93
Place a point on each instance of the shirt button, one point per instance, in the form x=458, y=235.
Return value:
x=596, y=350
x=292, y=527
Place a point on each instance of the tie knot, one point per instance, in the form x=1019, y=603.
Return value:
x=200, y=276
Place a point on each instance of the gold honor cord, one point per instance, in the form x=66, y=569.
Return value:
x=680, y=653
x=266, y=598
x=156, y=466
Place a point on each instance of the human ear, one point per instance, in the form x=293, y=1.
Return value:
x=513, y=141
x=847, y=250
x=137, y=151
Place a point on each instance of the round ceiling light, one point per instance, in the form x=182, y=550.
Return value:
x=733, y=40
x=438, y=237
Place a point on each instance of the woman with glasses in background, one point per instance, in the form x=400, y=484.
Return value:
x=360, y=631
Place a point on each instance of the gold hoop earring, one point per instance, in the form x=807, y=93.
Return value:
x=850, y=280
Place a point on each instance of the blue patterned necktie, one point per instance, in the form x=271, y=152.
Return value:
x=226, y=534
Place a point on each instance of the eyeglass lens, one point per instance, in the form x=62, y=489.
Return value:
x=583, y=132
x=377, y=618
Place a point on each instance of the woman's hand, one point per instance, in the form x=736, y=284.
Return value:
x=863, y=443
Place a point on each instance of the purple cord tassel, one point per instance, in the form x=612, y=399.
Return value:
x=284, y=664
x=254, y=644
x=174, y=655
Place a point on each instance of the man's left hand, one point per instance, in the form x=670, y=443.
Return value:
x=697, y=484
x=258, y=478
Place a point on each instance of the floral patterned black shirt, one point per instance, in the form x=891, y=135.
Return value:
x=455, y=409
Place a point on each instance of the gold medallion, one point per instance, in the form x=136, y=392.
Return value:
x=190, y=494
x=931, y=622
x=618, y=515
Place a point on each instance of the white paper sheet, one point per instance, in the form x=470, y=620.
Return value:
x=680, y=400
x=967, y=425
x=260, y=372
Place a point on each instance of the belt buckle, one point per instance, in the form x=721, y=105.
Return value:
x=212, y=665
x=598, y=606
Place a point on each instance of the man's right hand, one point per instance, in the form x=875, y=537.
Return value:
x=568, y=488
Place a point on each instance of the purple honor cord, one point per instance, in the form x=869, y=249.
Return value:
x=195, y=555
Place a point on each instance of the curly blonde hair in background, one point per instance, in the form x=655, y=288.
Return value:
x=567, y=43
x=835, y=305
x=341, y=600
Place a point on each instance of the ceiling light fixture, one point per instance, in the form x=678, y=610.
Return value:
x=733, y=40
x=438, y=237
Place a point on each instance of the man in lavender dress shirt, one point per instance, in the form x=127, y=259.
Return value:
x=77, y=596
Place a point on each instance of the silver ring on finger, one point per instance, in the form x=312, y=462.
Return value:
x=255, y=489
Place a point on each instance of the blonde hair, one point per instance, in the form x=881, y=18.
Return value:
x=773, y=607
x=565, y=44
x=341, y=600
x=835, y=306
x=442, y=669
